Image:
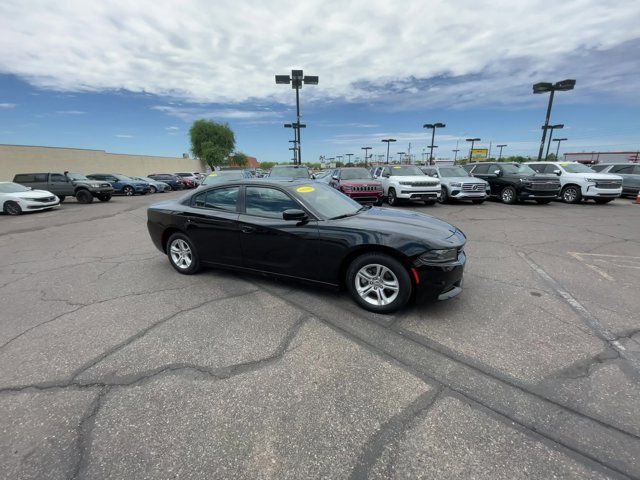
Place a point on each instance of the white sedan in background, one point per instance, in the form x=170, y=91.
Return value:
x=16, y=199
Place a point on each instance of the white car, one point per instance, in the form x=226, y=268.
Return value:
x=578, y=182
x=408, y=182
x=15, y=199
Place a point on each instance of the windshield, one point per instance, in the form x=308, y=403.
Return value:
x=289, y=172
x=576, y=168
x=406, y=171
x=76, y=176
x=12, y=188
x=325, y=200
x=453, y=172
x=221, y=177
x=517, y=169
x=122, y=177
x=355, y=174
x=184, y=174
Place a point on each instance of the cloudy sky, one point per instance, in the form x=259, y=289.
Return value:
x=132, y=76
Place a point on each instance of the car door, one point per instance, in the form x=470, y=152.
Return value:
x=60, y=183
x=271, y=244
x=384, y=175
x=212, y=224
x=630, y=175
x=482, y=171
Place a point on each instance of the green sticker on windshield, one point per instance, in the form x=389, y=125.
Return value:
x=305, y=189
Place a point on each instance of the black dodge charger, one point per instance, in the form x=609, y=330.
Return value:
x=308, y=231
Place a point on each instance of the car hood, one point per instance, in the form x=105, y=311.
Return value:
x=537, y=176
x=31, y=194
x=413, y=178
x=424, y=229
x=353, y=183
x=471, y=180
x=598, y=176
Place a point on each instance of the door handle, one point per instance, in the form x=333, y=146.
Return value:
x=247, y=229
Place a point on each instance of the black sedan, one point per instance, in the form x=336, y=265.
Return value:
x=309, y=231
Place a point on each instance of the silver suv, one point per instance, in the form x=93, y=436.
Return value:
x=630, y=173
x=458, y=184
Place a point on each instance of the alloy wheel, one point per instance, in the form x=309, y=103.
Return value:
x=128, y=191
x=377, y=284
x=507, y=195
x=12, y=208
x=181, y=254
x=570, y=194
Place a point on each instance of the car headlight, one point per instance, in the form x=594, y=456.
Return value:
x=455, y=184
x=94, y=185
x=487, y=187
x=591, y=180
x=445, y=255
x=524, y=181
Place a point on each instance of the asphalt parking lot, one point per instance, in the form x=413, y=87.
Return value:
x=112, y=365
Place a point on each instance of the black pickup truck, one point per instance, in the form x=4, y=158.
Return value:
x=67, y=185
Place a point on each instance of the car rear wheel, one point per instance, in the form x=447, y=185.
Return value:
x=128, y=191
x=391, y=197
x=571, y=194
x=12, y=208
x=168, y=188
x=379, y=283
x=182, y=254
x=153, y=189
x=61, y=198
x=444, y=196
x=84, y=196
x=508, y=195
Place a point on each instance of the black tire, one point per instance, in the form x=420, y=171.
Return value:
x=543, y=201
x=153, y=189
x=392, y=200
x=105, y=197
x=602, y=201
x=509, y=195
x=84, y=196
x=61, y=198
x=571, y=194
x=378, y=203
x=194, y=266
x=444, y=196
x=12, y=208
x=402, y=279
x=168, y=188
x=478, y=201
x=128, y=191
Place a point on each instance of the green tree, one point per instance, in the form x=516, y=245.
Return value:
x=239, y=159
x=267, y=165
x=212, y=142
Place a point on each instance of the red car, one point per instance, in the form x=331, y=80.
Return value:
x=357, y=183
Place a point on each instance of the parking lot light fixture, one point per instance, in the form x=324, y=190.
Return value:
x=551, y=128
x=455, y=155
x=501, y=147
x=366, y=154
x=349, y=155
x=297, y=79
x=473, y=141
x=388, y=141
x=559, y=140
x=433, y=127
x=544, y=87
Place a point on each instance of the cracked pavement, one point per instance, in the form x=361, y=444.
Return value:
x=112, y=365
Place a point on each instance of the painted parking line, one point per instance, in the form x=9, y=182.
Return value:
x=591, y=259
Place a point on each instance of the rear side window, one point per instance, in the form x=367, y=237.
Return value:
x=538, y=167
x=219, y=199
x=622, y=169
x=481, y=169
x=24, y=178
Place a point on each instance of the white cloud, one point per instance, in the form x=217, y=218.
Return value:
x=191, y=112
x=172, y=129
x=70, y=112
x=7, y=105
x=451, y=53
x=124, y=135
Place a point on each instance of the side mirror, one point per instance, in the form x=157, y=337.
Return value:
x=335, y=177
x=558, y=172
x=386, y=175
x=312, y=176
x=294, y=214
x=497, y=173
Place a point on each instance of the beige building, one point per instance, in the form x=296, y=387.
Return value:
x=34, y=159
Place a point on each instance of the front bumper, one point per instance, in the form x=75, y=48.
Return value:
x=591, y=191
x=440, y=282
x=31, y=206
x=527, y=194
x=418, y=193
x=458, y=195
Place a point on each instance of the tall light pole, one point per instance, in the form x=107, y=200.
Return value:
x=501, y=147
x=296, y=80
x=559, y=140
x=473, y=141
x=339, y=157
x=400, y=154
x=544, y=87
x=388, y=141
x=433, y=127
x=349, y=155
x=552, y=128
x=455, y=155
x=366, y=154
x=296, y=131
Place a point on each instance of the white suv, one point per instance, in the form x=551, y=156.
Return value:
x=579, y=182
x=408, y=182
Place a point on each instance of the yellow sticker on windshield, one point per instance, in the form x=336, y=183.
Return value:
x=213, y=174
x=564, y=164
x=305, y=189
x=397, y=168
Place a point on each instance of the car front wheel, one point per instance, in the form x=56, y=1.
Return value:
x=391, y=197
x=12, y=208
x=571, y=194
x=509, y=195
x=182, y=254
x=379, y=283
x=128, y=191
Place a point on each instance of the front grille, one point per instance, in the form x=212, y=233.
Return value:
x=609, y=184
x=364, y=188
x=44, y=200
x=545, y=185
x=422, y=184
x=473, y=187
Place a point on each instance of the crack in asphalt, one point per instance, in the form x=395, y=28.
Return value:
x=85, y=429
x=395, y=427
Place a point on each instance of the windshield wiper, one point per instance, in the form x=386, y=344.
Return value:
x=345, y=215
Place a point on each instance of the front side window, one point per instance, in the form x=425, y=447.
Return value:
x=267, y=202
x=218, y=199
x=56, y=177
x=484, y=168
x=622, y=169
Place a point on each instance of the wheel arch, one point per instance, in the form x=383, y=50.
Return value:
x=362, y=249
x=166, y=234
